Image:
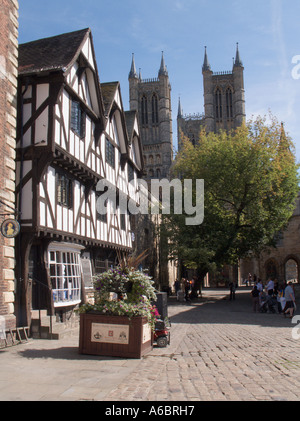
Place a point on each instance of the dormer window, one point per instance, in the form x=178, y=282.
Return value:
x=77, y=119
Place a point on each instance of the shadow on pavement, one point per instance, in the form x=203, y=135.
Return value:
x=213, y=308
x=216, y=308
x=63, y=353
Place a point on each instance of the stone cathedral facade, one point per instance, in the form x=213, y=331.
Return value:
x=152, y=99
x=224, y=108
x=224, y=102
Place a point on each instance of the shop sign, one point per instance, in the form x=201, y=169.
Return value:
x=110, y=333
x=10, y=228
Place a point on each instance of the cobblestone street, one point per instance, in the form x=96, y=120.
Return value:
x=220, y=351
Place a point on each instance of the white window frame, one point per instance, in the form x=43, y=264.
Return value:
x=64, y=263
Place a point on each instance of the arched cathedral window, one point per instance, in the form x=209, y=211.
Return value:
x=229, y=104
x=144, y=110
x=218, y=101
x=154, y=109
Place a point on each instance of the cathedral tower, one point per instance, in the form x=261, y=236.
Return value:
x=224, y=96
x=152, y=99
x=224, y=102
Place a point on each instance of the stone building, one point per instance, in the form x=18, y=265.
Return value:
x=281, y=263
x=152, y=99
x=8, y=91
x=224, y=102
x=224, y=109
x=74, y=141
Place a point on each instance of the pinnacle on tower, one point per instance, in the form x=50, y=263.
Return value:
x=179, y=109
x=133, y=73
x=238, y=61
x=206, y=65
x=163, y=69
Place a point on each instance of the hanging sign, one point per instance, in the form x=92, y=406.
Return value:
x=10, y=228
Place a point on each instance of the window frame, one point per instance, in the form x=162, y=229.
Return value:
x=65, y=275
x=110, y=153
x=102, y=217
x=130, y=172
x=123, y=222
x=77, y=120
x=64, y=190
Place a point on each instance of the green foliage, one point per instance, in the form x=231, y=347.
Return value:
x=134, y=289
x=251, y=185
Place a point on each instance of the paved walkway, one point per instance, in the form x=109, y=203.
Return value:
x=220, y=351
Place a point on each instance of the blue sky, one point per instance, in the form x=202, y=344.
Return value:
x=268, y=33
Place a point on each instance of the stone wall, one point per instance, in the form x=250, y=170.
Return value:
x=8, y=106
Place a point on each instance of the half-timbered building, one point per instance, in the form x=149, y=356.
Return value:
x=72, y=133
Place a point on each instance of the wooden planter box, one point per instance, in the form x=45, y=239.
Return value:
x=115, y=336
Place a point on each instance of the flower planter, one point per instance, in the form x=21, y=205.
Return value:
x=115, y=336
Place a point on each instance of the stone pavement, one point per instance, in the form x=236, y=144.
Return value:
x=220, y=351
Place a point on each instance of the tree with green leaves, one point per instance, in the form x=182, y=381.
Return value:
x=251, y=185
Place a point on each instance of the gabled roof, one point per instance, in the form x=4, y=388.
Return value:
x=57, y=54
x=51, y=54
x=108, y=93
x=130, y=117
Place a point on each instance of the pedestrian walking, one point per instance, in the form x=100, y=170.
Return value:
x=232, y=287
x=289, y=296
x=270, y=287
x=176, y=286
x=280, y=299
x=249, y=279
x=260, y=288
x=255, y=298
x=187, y=286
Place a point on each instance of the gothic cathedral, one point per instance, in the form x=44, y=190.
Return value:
x=152, y=99
x=224, y=108
x=224, y=102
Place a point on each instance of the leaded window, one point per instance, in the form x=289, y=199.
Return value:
x=123, y=221
x=64, y=190
x=101, y=213
x=65, y=276
x=110, y=153
x=130, y=172
x=77, y=119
